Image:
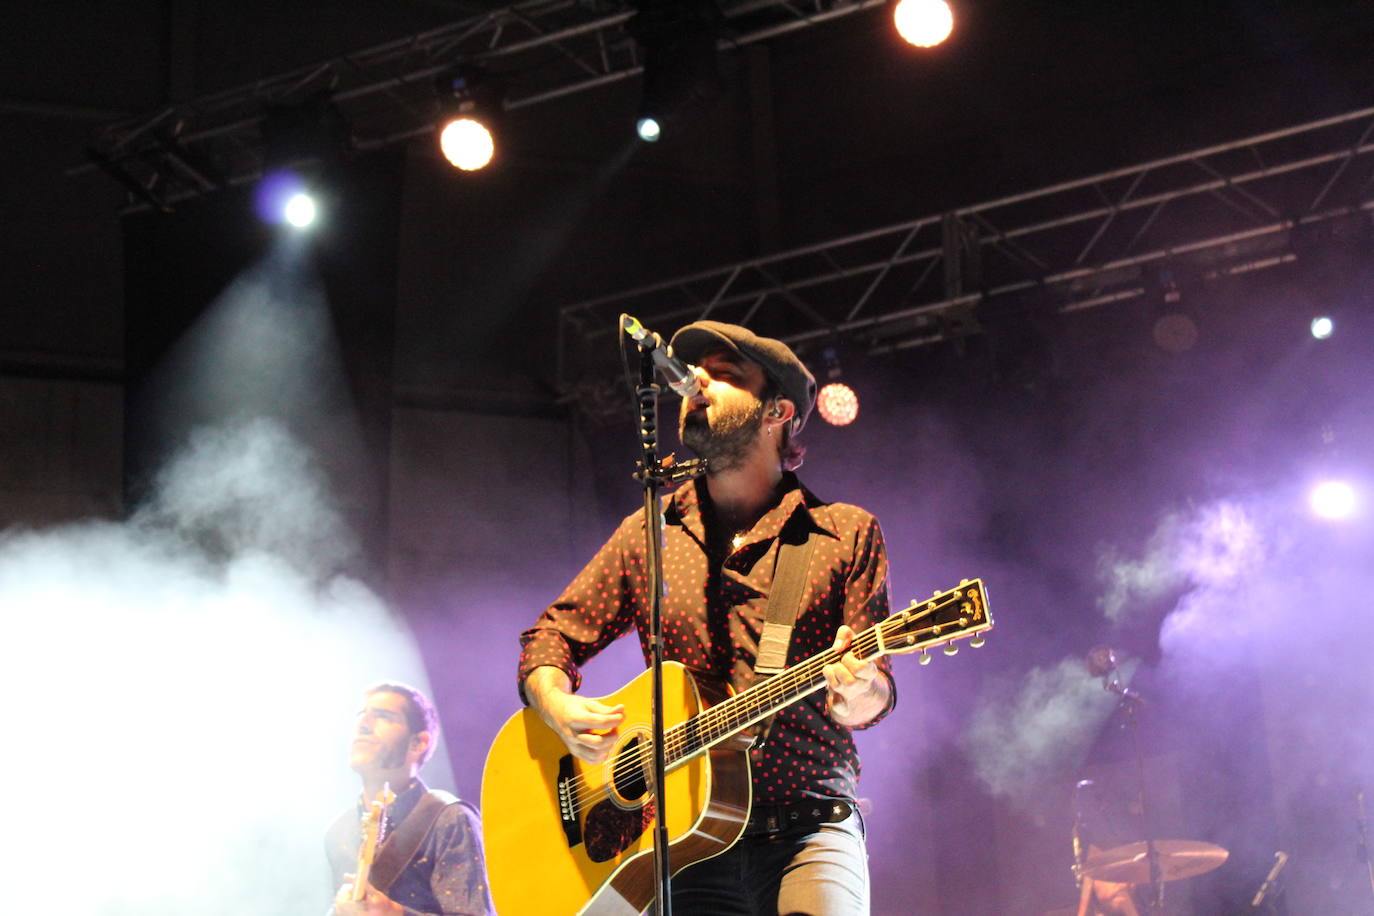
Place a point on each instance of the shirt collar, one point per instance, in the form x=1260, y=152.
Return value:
x=684, y=508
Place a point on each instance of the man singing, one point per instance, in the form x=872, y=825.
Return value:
x=430, y=859
x=803, y=849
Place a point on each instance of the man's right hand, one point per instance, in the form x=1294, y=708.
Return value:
x=588, y=727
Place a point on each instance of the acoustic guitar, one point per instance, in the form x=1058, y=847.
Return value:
x=564, y=837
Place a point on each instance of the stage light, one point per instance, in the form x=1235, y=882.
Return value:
x=1333, y=499
x=677, y=39
x=1322, y=327
x=923, y=23
x=285, y=197
x=467, y=143
x=649, y=129
x=837, y=404
x=470, y=105
x=300, y=210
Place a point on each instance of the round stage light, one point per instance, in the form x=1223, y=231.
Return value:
x=300, y=210
x=1322, y=327
x=837, y=404
x=649, y=129
x=923, y=23
x=467, y=144
x=1333, y=499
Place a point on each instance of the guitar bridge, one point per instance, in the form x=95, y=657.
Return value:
x=567, y=802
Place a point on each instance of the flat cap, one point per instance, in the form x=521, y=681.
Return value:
x=797, y=384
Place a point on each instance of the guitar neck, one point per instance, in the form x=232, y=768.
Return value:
x=950, y=615
x=712, y=726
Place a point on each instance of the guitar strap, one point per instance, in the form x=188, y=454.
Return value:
x=784, y=602
x=401, y=844
x=784, y=598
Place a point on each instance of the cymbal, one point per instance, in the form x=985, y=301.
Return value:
x=1177, y=859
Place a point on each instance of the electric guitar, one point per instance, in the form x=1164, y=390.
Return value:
x=374, y=830
x=564, y=837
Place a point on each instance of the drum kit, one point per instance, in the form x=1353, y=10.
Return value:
x=1129, y=864
x=1148, y=864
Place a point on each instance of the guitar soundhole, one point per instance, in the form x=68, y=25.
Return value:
x=629, y=780
x=611, y=830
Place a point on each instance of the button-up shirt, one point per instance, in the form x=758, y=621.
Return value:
x=714, y=612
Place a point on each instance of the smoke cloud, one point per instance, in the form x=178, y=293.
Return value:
x=181, y=686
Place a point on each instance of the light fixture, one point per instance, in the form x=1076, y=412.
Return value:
x=923, y=23
x=470, y=103
x=300, y=210
x=678, y=41
x=1322, y=327
x=648, y=128
x=285, y=197
x=836, y=402
x=1333, y=499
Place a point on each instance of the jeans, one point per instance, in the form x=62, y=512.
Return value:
x=815, y=871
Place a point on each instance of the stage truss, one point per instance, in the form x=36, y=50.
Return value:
x=1116, y=236
x=542, y=49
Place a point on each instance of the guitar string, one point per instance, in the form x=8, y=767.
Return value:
x=724, y=716
x=724, y=720
x=727, y=718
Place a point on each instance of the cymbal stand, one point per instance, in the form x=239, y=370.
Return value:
x=1360, y=822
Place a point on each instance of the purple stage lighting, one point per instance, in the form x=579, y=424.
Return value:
x=1333, y=499
x=282, y=197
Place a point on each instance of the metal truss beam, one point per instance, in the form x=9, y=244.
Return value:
x=1109, y=237
x=543, y=49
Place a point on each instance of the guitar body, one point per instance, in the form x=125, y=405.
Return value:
x=565, y=837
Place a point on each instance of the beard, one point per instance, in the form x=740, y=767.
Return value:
x=725, y=440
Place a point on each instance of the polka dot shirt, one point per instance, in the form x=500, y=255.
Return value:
x=715, y=609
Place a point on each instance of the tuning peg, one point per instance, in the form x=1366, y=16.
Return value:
x=923, y=658
x=977, y=642
x=965, y=581
x=935, y=594
x=952, y=649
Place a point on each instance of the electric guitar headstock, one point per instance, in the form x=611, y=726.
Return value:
x=960, y=613
x=374, y=831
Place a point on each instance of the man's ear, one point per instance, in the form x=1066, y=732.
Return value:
x=782, y=411
x=420, y=742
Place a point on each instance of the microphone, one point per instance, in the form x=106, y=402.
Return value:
x=675, y=372
x=1280, y=860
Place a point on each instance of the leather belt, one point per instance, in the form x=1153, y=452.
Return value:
x=767, y=818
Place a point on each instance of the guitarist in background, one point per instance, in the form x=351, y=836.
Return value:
x=396, y=734
x=803, y=850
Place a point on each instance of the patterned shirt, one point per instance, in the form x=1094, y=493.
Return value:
x=714, y=611
x=446, y=877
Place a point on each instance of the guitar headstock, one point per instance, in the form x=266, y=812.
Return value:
x=960, y=613
x=374, y=818
x=373, y=832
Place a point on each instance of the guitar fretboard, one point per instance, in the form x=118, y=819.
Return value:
x=909, y=630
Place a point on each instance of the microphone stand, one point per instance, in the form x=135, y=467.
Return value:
x=1364, y=837
x=1131, y=703
x=653, y=474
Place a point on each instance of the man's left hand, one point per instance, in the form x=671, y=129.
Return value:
x=849, y=678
